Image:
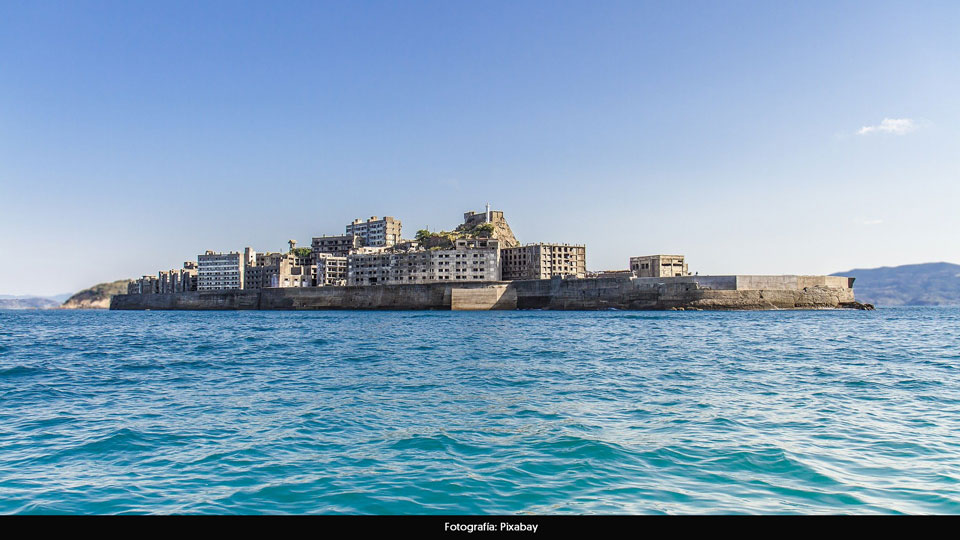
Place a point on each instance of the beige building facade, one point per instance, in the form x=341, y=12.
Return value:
x=280, y=270
x=331, y=270
x=340, y=246
x=471, y=259
x=167, y=281
x=659, y=266
x=144, y=285
x=180, y=280
x=544, y=261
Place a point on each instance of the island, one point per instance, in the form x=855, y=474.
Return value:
x=480, y=265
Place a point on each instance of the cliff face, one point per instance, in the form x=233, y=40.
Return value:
x=497, y=228
x=96, y=297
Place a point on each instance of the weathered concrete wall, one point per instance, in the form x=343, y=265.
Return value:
x=495, y=296
x=753, y=283
x=401, y=297
x=189, y=300
x=617, y=292
x=702, y=282
x=371, y=297
x=840, y=282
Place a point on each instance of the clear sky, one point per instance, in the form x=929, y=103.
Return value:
x=753, y=137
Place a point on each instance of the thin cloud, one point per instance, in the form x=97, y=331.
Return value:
x=871, y=222
x=894, y=126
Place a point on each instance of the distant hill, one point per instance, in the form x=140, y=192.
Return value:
x=28, y=302
x=96, y=297
x=929, y=284
x=60, y=298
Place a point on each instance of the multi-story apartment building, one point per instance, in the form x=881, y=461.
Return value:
x=254, y=265
x=280, y=270
x=340, y=246
x=659, y=266
x=144, y=285
x=221, y=271
x=331, y=270
x=180, y=280
x=292, y=270
x=476, y=259
x=167, y=281
x=376, y=232
x=544, y=261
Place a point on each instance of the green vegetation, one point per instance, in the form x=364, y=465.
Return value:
x=301, y=252
x=484, y=229
x=445, y=239
x=422, y=235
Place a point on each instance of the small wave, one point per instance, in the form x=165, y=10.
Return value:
x=142, y=366
x=426, y=443
x=439, y=443
x=574, y=447
x=21, y=371
x=121, y=440
x=362, y=358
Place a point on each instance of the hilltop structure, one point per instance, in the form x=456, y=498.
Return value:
x=491, y=221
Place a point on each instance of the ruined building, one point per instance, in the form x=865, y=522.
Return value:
x=544, y=261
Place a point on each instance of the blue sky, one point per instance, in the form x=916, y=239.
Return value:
x=754, y=137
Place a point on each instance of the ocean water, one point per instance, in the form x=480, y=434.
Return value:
x=480, y=412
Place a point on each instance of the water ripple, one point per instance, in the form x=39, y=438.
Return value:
x=503, y=412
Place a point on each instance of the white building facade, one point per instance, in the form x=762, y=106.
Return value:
x=376, y=232
x=220, y=271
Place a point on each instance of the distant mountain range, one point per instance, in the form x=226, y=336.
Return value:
x=96, y=297
x=28, y=302
x=60, y=298
x=929, y=284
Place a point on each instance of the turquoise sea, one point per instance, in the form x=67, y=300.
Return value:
x=480, y=412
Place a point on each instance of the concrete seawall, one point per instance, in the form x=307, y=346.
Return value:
x=619, y=292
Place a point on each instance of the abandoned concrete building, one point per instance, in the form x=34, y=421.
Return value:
x=331, y=270
x=375, y=231
x=372, y=252
x=659, y=266
x=544, y=261
x=220, y=271
x=340, y=245
x=476, y=259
